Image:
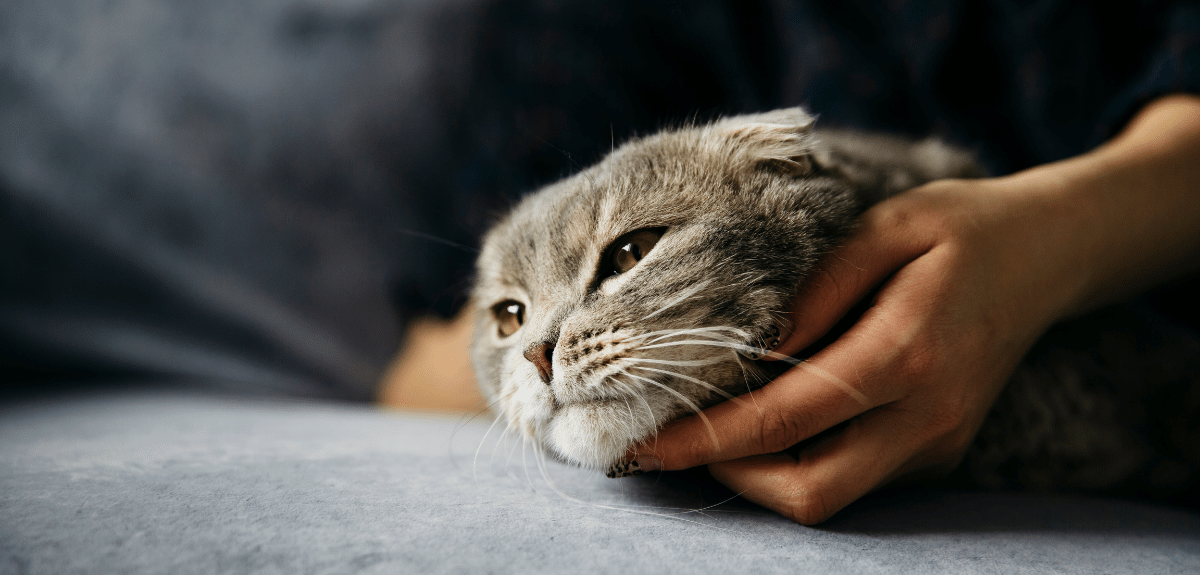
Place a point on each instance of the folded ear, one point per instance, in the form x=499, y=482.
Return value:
x=781, y=139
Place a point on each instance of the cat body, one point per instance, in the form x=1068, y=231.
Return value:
x=646, y=287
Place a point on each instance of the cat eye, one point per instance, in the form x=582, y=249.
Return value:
x=509, y=316
x=630, y=248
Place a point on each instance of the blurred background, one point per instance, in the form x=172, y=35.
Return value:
x=262, y=197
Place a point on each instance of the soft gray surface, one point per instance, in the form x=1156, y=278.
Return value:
x=169, y=483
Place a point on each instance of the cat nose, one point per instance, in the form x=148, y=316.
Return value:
x=540, y=355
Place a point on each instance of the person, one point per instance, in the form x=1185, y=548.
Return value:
x=972, y=273
x=1084, y=109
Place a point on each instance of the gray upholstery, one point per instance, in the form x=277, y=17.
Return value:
x=158, y=482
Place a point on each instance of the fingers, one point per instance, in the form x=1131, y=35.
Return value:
x=880, y=246
x=874, y=363
x=809, y=398
x=828, y=476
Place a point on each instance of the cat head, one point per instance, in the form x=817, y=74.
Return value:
x=645, y=287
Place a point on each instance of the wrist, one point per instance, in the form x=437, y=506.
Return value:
x=1063, y=250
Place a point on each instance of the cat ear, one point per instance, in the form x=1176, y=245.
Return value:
x=781, y=139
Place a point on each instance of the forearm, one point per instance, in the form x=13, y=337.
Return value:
x=1131, y=207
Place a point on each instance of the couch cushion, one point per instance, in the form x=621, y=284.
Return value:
x=161, y=482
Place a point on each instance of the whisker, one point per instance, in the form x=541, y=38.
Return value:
x=679, y=363
x=700, y=382
x=511, y=450
x=685, y=294
x=638, y=509
x=831, y=378
x=508, y=427
x=711, y=430
x=434, y=238
x=628, y=387
x=726, y=344
x=676, y=330
x=525, y=465
x=506, y=433
x=483, y=440
x=746, y=379
x=465, y=421
x=632, y=419
x=541, y=460
x=719, y=503
x=737, y=346
x=544, y=467
x=703, y=331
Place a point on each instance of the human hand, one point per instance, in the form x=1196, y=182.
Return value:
x=972, y=272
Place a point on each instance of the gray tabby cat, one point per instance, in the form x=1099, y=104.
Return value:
x=646, y=287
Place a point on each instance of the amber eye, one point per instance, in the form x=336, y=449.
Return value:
x=509, y=316
x=630, y=248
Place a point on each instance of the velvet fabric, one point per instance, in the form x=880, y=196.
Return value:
x=149, y=482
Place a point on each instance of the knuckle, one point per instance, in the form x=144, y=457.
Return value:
x=931, y=429
x=781, y=428
x=945, y=422
x=949, y=432
x=807, y=506
x=917, y=362
x=903, y=213
x=696, y=452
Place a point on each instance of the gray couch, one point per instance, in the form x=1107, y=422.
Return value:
x=145, y=481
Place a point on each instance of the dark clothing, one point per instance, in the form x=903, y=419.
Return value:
x=1025, y=83
x=242, y=190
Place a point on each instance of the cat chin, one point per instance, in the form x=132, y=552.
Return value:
x=596, y=434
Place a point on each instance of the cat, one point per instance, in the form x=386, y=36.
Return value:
x=645, y=288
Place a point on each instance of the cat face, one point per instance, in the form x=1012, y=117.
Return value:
x=644, y=288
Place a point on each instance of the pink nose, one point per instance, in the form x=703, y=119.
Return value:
x=541, y=355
